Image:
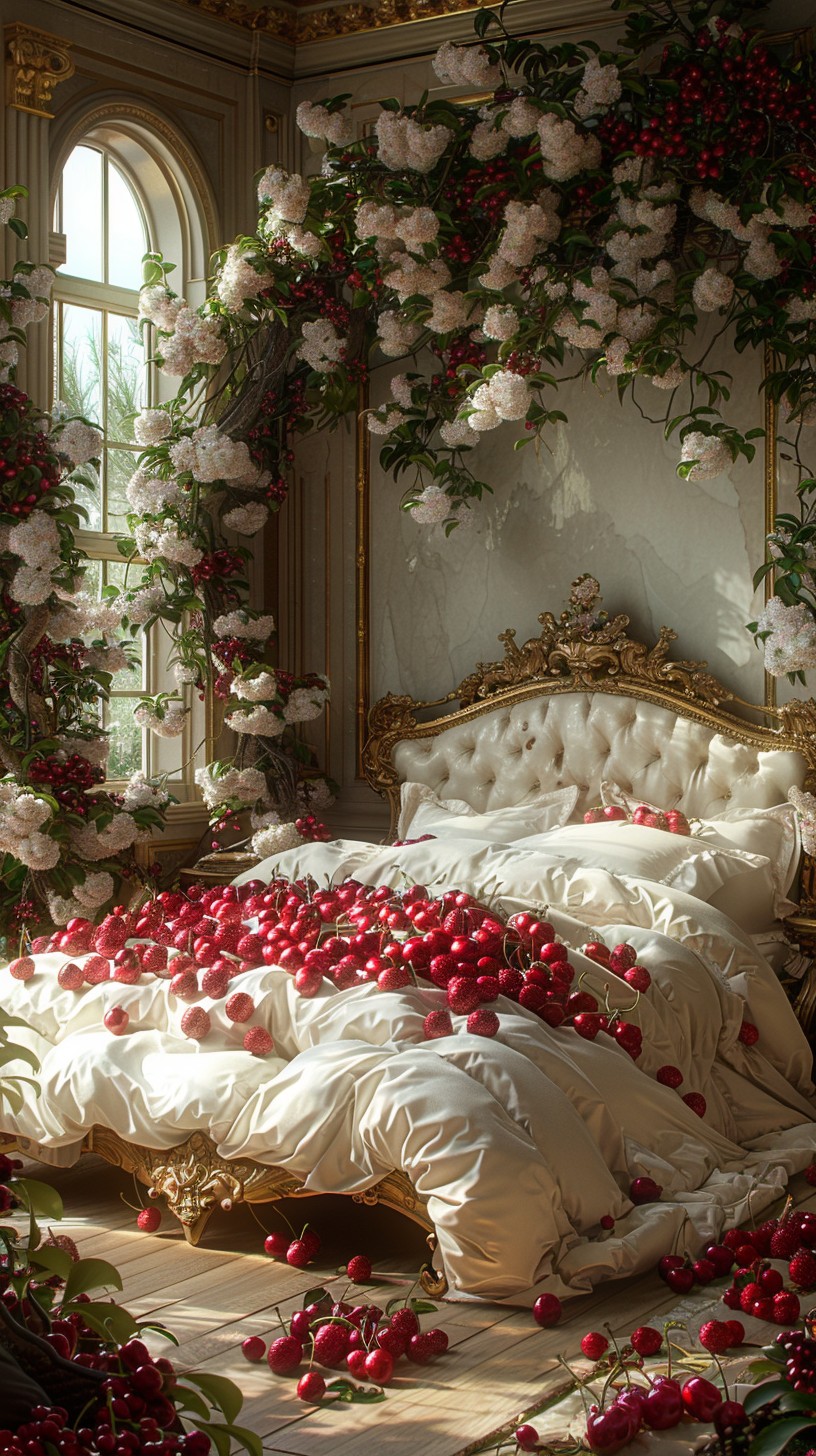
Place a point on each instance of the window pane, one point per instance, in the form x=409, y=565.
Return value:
x=125, y=738
x=121, y=465
x=81, y=382
x=91, y=579
x=126, y=375
x=127, y=241
x=82, y=213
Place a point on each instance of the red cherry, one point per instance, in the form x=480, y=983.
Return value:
x=547, y=1310
x=253, y=1348
x=379, y=1366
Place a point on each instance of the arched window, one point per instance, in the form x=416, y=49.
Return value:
x=117, y=197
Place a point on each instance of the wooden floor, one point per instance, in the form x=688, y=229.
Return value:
x=212, y=1297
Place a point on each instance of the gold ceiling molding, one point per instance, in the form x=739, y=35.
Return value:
x=300, y=22
x=35, y=63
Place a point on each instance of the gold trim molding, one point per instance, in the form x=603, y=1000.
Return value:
x=299, y=25
x=568, y=657
x=35, y=63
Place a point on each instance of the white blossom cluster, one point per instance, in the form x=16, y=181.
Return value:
x=258, y=689
x=259, y=721
x=805, y=806
x=22, y=817
x=241, y=624
x=209, y=454
x=149, y=494
x=433, y=506
x=78, y=614
x=564, y=150
x=329, y=126
x=285, y=195
x=94, y=890
x=120, y=833
x=305, y=703
x=501, y=321
x=600, y=88
x=403, y=143
x=806, y=411
x=410, y=275
x=37, y=542
x=142, y=604
x=6, y=210
x=761, y=258
x=238, y=279
x=38, y=282
x=245, y=784
x=315, y=794
x=383, y=421
x=166, y=542
x=96, y=750
x=196, y=339
x=247, y=519
x=505, y=396
x=321, y=345
x=712, y=455
x=107, y=657
x=527, y=226
x=416, y=228
x=78, y=442
x=168, y=726
x=599, y=316
x=791, y=645
x=159, y=306
x=140, y=793
x=712, y=290
x=456, y=433
x=152, y=426
x=396, y=334
x=466, y=66
x=275, y=839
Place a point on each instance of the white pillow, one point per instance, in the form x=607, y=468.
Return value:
x=771, y=833
x=682, y=863
x=423, y=812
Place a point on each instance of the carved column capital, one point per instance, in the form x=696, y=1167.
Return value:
x=35, y=63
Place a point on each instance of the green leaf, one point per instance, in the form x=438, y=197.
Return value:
x=109, y=1320
x=776, y=1437
x=219, y=1391
x=763, y=1394
x=18, y=226
x=40, y=1198
x=221, y=1433
x=91, y=1274
x=187, y=1399
x=55, y=1261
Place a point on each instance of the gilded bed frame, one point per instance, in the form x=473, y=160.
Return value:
x=566, y=657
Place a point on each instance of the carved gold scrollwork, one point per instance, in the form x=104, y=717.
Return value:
x=335, y=20
x=35, y=63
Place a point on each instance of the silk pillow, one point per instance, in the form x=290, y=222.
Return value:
x=771, y=833
x=423, y=812
x=681, y=863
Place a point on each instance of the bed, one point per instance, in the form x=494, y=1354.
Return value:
x=356, y=1100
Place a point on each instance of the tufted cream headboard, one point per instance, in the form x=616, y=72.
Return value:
x=578, y=705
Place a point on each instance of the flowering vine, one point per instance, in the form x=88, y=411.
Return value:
x=578, y=221
x=65, y=844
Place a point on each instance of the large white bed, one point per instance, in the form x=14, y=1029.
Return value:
x=512, y=1148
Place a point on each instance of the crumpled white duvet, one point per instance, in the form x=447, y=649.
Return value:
x=520, y=1143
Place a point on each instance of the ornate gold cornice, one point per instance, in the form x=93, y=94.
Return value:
x=300, y=23
x=35, y=63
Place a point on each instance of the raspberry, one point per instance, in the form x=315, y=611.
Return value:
x=405, y=1322
x=437, y=1023
x=284, y=1355
x=214, y=983
x=154, y=958
x=696, y=1101
x=731, y=1298
x=70, y=976
x=258, y=1041
x=249, y=948
x=463, y=995
x=330, y=1345
x=239, y=1007
x=646, y=1340
x=802, y=1270
x=483, y=1023
x=736, y=1330
x=96, y=970
x=393, y=978
x=195, y=1023
x=715, y=1337
x=228, y=936
x=511, y=982
x=748, y=1033
x=669, y=1076
x=785, y=1242
x=786, y=1309
x=421, y=1349
x=149, y=1220
x=761, y=1237
x=359, y=1269
x=185, y=986
x=594, y=1345
x=762, y=1309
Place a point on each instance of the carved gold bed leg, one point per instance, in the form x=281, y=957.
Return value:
x=431, y=1281
x=194, y=1230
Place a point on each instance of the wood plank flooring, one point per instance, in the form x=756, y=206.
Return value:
x=498, y=1365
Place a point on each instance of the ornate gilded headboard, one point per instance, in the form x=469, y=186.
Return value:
x=584, y=701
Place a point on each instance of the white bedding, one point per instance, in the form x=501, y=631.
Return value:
x=520, y=1143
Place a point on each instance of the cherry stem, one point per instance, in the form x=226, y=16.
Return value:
x=718, y=1364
